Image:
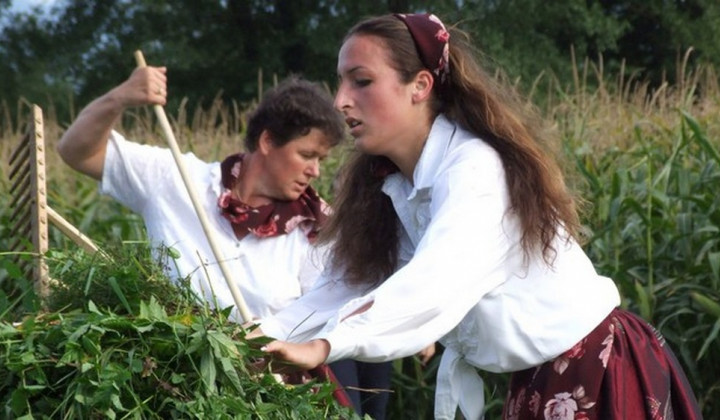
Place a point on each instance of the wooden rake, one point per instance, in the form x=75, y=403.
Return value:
x=240, y=304
x=30, y=213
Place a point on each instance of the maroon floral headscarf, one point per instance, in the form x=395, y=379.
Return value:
x=431, y=40
x=308, y=212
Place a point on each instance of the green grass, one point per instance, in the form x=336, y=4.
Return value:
x=118, y=340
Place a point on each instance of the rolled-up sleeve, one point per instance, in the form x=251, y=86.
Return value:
x=134, y=173
x=304, y=317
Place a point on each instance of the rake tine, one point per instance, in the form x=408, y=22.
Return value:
x=16, y=245
x=19, y=184
x=21, y=167
x=24, y=186
x=20, y=210
x=21, y=148
x=22, y=223
x=19, y=177
x=23, y=198
x=28, y=272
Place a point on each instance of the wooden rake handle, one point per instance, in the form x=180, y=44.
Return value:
x=209, y=233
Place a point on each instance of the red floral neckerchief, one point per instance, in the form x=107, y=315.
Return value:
x=308, y=212
x=382, y=166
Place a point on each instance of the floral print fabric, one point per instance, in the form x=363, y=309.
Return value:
x=622, y=370
x=277, y=218
x=431, y=39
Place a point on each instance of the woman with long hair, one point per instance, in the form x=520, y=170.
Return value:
x=454, y=224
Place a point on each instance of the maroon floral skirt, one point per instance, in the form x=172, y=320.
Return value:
x=622, y=370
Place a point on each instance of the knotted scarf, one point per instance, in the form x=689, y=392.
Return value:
x=308, y=212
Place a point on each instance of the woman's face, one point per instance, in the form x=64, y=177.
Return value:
x=377, y=105
x=290, y=168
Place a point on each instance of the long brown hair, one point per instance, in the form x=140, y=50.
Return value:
x=364, y=227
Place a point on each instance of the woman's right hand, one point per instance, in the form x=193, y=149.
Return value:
x=286, y=357
x=145, y=86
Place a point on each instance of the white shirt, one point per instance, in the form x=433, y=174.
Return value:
x=270, y=272
x=464, y=281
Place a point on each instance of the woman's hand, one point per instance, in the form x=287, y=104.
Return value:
x=145, y=86
x=426, y=354
x=84, y=143
x=293, y=356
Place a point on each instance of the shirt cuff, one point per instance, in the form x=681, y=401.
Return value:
x=342, y=346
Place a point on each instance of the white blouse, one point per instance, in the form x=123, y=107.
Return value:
x=270, y=272
x=463, y=281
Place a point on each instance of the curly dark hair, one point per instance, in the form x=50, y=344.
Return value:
x=291, y=110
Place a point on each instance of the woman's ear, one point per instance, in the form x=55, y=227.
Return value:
x=265, y=143
x=422, y=86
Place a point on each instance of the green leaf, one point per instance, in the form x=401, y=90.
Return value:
x=231, y=373
x=153, y=310
x=208, y=370
x=79, y=332
x=643, y=301
x=92, y=308
x=706, y=344
x=8, y=330
x=700, y=136
x=222, y=344
x=118, y=291
x=714, y=261
x=18, y=401
x=173, y=253
x=706, y=304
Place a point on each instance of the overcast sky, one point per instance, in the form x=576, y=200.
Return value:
x=25, y=5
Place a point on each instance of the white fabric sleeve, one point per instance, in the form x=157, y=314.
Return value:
x=458, y=260
x=303, y=318
x=134, y=173
x=312, y=267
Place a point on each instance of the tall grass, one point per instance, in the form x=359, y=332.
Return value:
x=648, y=165
x=644, y=161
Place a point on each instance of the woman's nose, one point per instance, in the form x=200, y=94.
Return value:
x=341, y=101
x=313, y=170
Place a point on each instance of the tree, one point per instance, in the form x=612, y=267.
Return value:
x=659, y=32
x=216, y=47
x=647, y=37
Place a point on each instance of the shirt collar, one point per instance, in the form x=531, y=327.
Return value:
x=215, y=180
x=436, y=146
